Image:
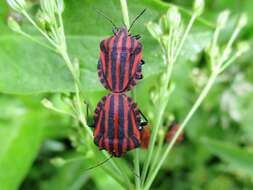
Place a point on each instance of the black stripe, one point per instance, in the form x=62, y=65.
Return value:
x=132, y=57
x=110, y=121
x=128, y=144
x=123, y=62
x=120, y=147
x=130, y=124
x=121, y=123
x=107, y=59
x=136, y=142
x=102, y=46
x=114, y=61
x=102, y=127
x=121, y=117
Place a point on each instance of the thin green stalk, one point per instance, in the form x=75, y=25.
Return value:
x=36, y=41
x=182, y=126
x=214, y=42
x=37, y=27
x=115, y=177
x=170, y=57
x=169, y=62
x=61, y=26
x=124, y=175
x=231, y=60
x=228, y=48
x=158, y=153
x=76, y=83
x=125, y=12
x=137, y=169
x=179, y=48
x=63, y=112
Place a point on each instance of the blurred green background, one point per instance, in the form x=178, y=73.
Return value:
x=217, y=152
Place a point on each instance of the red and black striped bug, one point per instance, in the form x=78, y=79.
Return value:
x=120, y=61
x=117, y=123
x=173, y=128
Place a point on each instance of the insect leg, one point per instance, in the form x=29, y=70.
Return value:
x=87, y=115
x=137, y=37
x=145, y=122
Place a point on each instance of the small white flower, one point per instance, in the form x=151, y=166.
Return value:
x=13, y=25
x=223, y=18
x=155, y=30
x=17, y=5
x=199, y=6
x=243, y=20
x=174, y=17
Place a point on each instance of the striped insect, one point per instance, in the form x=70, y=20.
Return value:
x=120, y=61
x=117, y=124
x=173, y=128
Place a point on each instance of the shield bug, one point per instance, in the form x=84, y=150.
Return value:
x=117, y=124
x=120, y=61
x=173, y=128
x=145, y=137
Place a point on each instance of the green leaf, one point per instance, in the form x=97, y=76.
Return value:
x=238, y=158
x=20, y=141
x=27, y=68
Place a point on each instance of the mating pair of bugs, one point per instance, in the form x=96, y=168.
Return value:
x=117, y=118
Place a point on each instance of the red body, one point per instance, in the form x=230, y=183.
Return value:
x=119, y=65
x=117, y=124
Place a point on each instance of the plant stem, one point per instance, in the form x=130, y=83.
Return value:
x=182, y=126
x=36, y=41
x=81, y=117
x=189, y=26
x=158, y=153
x=228, y=48
x=115, y=177
x=37, y=27
x=164, y=98
x=137, y=169
x=125, y=12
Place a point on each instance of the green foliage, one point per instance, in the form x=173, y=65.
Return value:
x=209, y=158
x=239, y=159
x=83, y=35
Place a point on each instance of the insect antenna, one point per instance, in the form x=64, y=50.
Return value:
x=136, y=18
x=99, y=164
x=106, y=17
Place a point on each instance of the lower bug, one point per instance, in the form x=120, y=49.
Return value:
x=117, y=124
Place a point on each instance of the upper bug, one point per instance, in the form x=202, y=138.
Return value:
x=119, y=65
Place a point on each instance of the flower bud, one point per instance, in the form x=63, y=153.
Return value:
x=155, y=30
x=76, y=67
x=13, y=25
x=58, y=161
x=60, y=5
x=198, y=7
x=243, y=47
x=174, y=17
x=223, y=18
x=242, y=20
x=165, y=41
x=164, y=25
x=17, y=5
x=46, y=103
x=153, y=96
